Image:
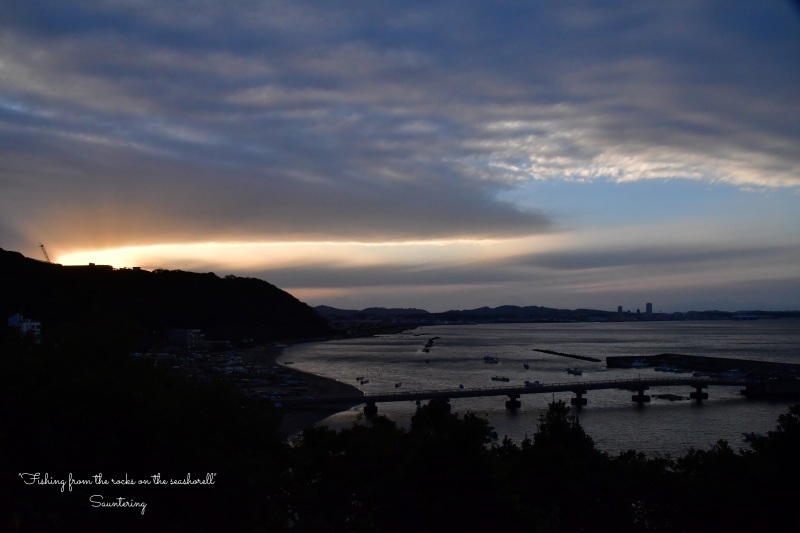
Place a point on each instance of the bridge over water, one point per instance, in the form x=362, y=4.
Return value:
x=579, y=388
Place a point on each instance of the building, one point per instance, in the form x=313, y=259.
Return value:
x=187, y=339
x=26, y=326
x=649, y=309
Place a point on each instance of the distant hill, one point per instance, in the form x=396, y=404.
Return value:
x=514, y=313
x=505, y=313
x=229, y=308
x=376, y=313
x=531, y=313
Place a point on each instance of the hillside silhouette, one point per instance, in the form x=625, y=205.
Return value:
x=142, y=306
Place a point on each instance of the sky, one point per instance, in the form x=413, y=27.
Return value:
x=429, y=154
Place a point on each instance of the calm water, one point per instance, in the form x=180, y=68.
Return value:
x=611, y=418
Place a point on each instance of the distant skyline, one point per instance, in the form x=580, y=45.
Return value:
x=437, y=155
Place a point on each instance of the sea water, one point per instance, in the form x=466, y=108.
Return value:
x=456, y=358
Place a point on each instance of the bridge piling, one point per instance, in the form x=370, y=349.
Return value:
x=698, y=395
x=370, y=409
x=641, y=398
x=578, y=400
x=513, y=403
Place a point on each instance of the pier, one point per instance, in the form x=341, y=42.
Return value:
x=513, y=393
x=700, y=363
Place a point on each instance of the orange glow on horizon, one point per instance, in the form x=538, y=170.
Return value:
x=265, y=255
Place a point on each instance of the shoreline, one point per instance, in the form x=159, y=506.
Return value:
x=295, y=420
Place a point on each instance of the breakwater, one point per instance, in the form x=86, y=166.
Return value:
x=570, y=355
x=766, y=379
x=699, y=363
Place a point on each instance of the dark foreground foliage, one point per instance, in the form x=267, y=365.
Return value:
x=63, y=414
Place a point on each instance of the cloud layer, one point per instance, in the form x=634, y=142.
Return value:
x=141, y=123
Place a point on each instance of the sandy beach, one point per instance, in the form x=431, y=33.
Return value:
x=296, y=419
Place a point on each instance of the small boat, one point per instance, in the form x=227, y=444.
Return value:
x=532, y=384
x=490, y=359
x=359, y=378
x=363, y=381
x=398, y=385
x=526, y=365
x=670, y=397
x=734, y=374
x=499, y=378
x=575, y=371
x=461, y=386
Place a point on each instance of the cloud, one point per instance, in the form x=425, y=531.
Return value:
x=142, y=122
x=647, y=256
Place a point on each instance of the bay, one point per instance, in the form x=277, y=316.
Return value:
x=456, y=357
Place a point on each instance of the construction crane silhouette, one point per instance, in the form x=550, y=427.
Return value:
x=47, y=257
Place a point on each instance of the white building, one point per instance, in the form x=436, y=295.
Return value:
x=26, y=326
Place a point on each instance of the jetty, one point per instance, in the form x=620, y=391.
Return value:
x=570, y=355
x=699, y=363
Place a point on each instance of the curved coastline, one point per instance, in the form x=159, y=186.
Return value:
x=297, y=419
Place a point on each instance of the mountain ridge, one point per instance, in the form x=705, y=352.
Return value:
x=532, y=313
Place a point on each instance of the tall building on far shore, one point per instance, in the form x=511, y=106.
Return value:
x=649, y=308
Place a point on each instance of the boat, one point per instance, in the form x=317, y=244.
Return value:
x=398, y=385
x=575, y=371
x=359, y=378
x=499, y=378
x=363, y=381
x=670, y=397
x=526, y=365
x=734, y=374
x=461, y=386
x=490, y=359
x=532, y=384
